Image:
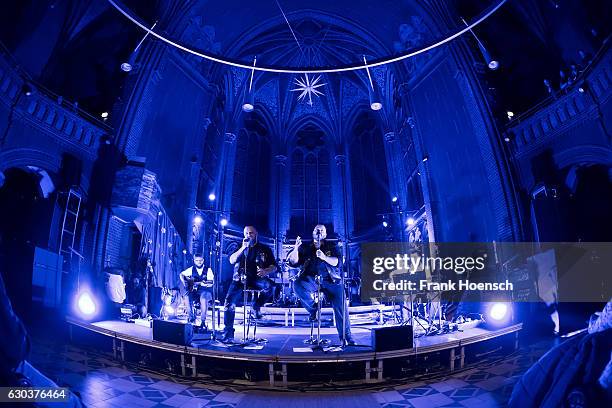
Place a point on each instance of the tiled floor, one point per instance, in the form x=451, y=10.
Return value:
x=103, y=382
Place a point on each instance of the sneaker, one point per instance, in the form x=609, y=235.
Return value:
x=227, y=338
x=350, y=341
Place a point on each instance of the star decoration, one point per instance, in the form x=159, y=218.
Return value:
x=308, y=87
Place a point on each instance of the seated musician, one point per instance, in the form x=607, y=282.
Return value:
x=253, y=262
x=198, y=284
x=320, y=259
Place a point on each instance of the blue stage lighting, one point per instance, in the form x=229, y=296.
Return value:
x=86, y=304
x=223, y=222
x=498, y=311
x=212, y=196
x=385, y=224
x=197, y=219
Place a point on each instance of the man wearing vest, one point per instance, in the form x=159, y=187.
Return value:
x=198, y=284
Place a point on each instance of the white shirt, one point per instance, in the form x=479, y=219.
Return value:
x=209, y=273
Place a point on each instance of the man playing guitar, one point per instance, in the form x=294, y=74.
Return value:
x=199, y=287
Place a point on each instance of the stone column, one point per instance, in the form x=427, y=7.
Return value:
x=396, y=170
x=341, y=164
x=280, y=207
x=226, y=171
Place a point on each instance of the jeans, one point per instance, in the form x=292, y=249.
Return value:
x=306, y=285
x=234, y=294
x=204, y=295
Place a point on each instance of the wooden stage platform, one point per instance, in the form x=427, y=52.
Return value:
x=285, y=349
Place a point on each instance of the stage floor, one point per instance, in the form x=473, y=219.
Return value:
x=287, y=343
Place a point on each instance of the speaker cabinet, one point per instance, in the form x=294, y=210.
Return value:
x=392, y=338
x=172, y=332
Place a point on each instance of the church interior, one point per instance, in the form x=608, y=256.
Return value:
x=198, y=200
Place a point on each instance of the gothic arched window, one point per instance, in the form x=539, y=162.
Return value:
x=311, y=192
x=369, y=178
x=250, y=191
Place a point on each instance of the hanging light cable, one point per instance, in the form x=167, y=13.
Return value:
x=129, y=65
x=354, y=67
x=248, y=103
x=373, y=91
x=492, y=63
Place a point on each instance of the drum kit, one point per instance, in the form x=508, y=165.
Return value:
x=284, y=281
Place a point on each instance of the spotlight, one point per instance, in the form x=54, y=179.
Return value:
x=581, y=90
x=197, y=219
x=375, y=103
x=510, y=114
x=223, y=222
x=425, y=159
x=373, y=91
x=248, y=103
x=212, y=197
x=184, y=252
x=128, y=66
x=394, y=199
x=385, y=224
x=410, y=221
x=85, y=304
x=492, y=63
x=27, y=90
x=506, y=139
x=498, y=311
x=104, y=115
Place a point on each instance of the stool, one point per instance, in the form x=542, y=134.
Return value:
x=250, y=319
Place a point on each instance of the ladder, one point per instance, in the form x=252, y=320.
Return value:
x=69, y=227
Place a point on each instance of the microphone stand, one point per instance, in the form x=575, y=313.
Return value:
x=319, y=342
x=344, y=313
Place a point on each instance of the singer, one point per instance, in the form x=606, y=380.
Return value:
x=321, y=259
x=253, y=262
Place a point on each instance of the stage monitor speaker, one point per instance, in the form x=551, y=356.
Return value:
x=392, y=338
x=172, y=332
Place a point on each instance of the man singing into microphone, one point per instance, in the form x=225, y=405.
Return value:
x=252, y=262
x=320, y=258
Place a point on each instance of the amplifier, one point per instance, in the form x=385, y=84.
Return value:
x=392, y=338
x=172, y=332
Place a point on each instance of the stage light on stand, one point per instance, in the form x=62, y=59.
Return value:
x=248, y=103
x=373, y=91
x=497, y=314
x=85, y=304
x=498, y=311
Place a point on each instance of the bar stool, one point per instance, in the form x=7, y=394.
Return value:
x=250, y=319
